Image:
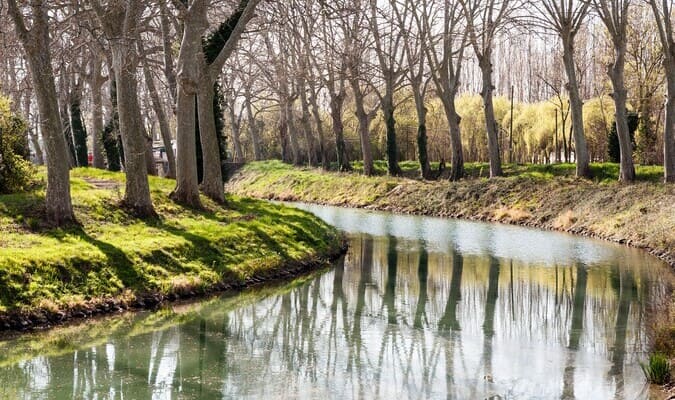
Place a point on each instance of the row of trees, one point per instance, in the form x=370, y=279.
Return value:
x=304, y=67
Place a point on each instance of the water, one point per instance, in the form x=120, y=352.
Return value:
x=419, y=308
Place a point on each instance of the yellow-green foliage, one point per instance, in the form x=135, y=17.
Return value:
x=15, y=172
x=113, y=252
x=598, y=120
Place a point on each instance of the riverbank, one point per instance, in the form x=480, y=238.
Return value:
x=113, y=261
x=640, y=215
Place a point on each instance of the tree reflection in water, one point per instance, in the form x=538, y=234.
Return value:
x=396, y=317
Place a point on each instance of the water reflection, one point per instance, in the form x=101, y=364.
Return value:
x=409, y=312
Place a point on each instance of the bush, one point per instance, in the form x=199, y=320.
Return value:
x=16, y=172
x=657, y=370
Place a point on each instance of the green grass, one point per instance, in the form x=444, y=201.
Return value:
x=602, y=172
x=657, y=369
x=113, y=254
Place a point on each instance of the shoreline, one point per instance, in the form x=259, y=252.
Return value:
x=455, y=200
x=18, y=322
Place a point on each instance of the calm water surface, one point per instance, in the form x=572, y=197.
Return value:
x=419, y=308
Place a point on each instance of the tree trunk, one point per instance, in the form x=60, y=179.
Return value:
x=453, y=118
x=187, y=184
x=58, y=205
x=364, y=124
x=490, y=121
x=336, y=101
x=137, y=193
x=98, y=159
x=253, y=130
x=577, y=108
x=212, y=182
x=169, y=71
x=422, y=152
x=32, y=133
x=235, y=126
x=390, y=122
x=149, y=155
x=627, y=169
x=305, y=121
x=164, y=128
x=292, y=132
x=669, y=133
x=319, y=129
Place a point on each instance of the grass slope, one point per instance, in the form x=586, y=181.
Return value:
x=641, y=214
x=114, y=255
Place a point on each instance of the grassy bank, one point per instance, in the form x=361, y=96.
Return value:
x=641, y=214
x=114, y=260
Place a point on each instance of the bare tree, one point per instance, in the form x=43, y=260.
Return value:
x=485, y=19
x=614, y=14
x=565, y=18
x=663, y=14
x=35, y=41
x=120, y=23
x=445, y=55
x=414, y=43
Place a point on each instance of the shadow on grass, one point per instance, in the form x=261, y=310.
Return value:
x=116, y=259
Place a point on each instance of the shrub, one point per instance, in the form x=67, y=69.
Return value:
x=657, y=370
x=16, y=172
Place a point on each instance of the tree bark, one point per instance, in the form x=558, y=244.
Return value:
x=577, y=106
x=490, y=121
x=616, y=72
x=390, y=123
x=58, y=204
x=137, y=193
x=669, y=133
x=319, y=129
x=457, y=171
x=187, y=185
x=162, y=119
x=96, y=85
x=212, y=182
x=364, y=125
x=305, y=121
x=253, y=131
x=336, y=102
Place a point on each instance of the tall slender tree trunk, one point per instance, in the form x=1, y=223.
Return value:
x=32, y=133
x=457, y=171
x=167, y=50
x=616, y=73
x=58, y=204
x=422, y=151
x=137, y=193
x=212, y=182
x=96, y=85
x=253, y=130
x=305, y=121
x=669, y=133
x=292, y=132
x=364, y=124
x=187, y=184
x=162, y=119
x=235, y=127
x=319, y=129
x=490, y=121
x=577, y=109
x=390, y=123
x=336, y=102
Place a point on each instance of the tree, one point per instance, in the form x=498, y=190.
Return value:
x=35, y=42
x=614, y=14
x=565, y=18
x=119, y=21
x=389, y=55
x=663, y=12
x=445, y=54
x=485, y=18
x=414, y=43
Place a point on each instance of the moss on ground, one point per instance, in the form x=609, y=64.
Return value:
x=115, y=255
